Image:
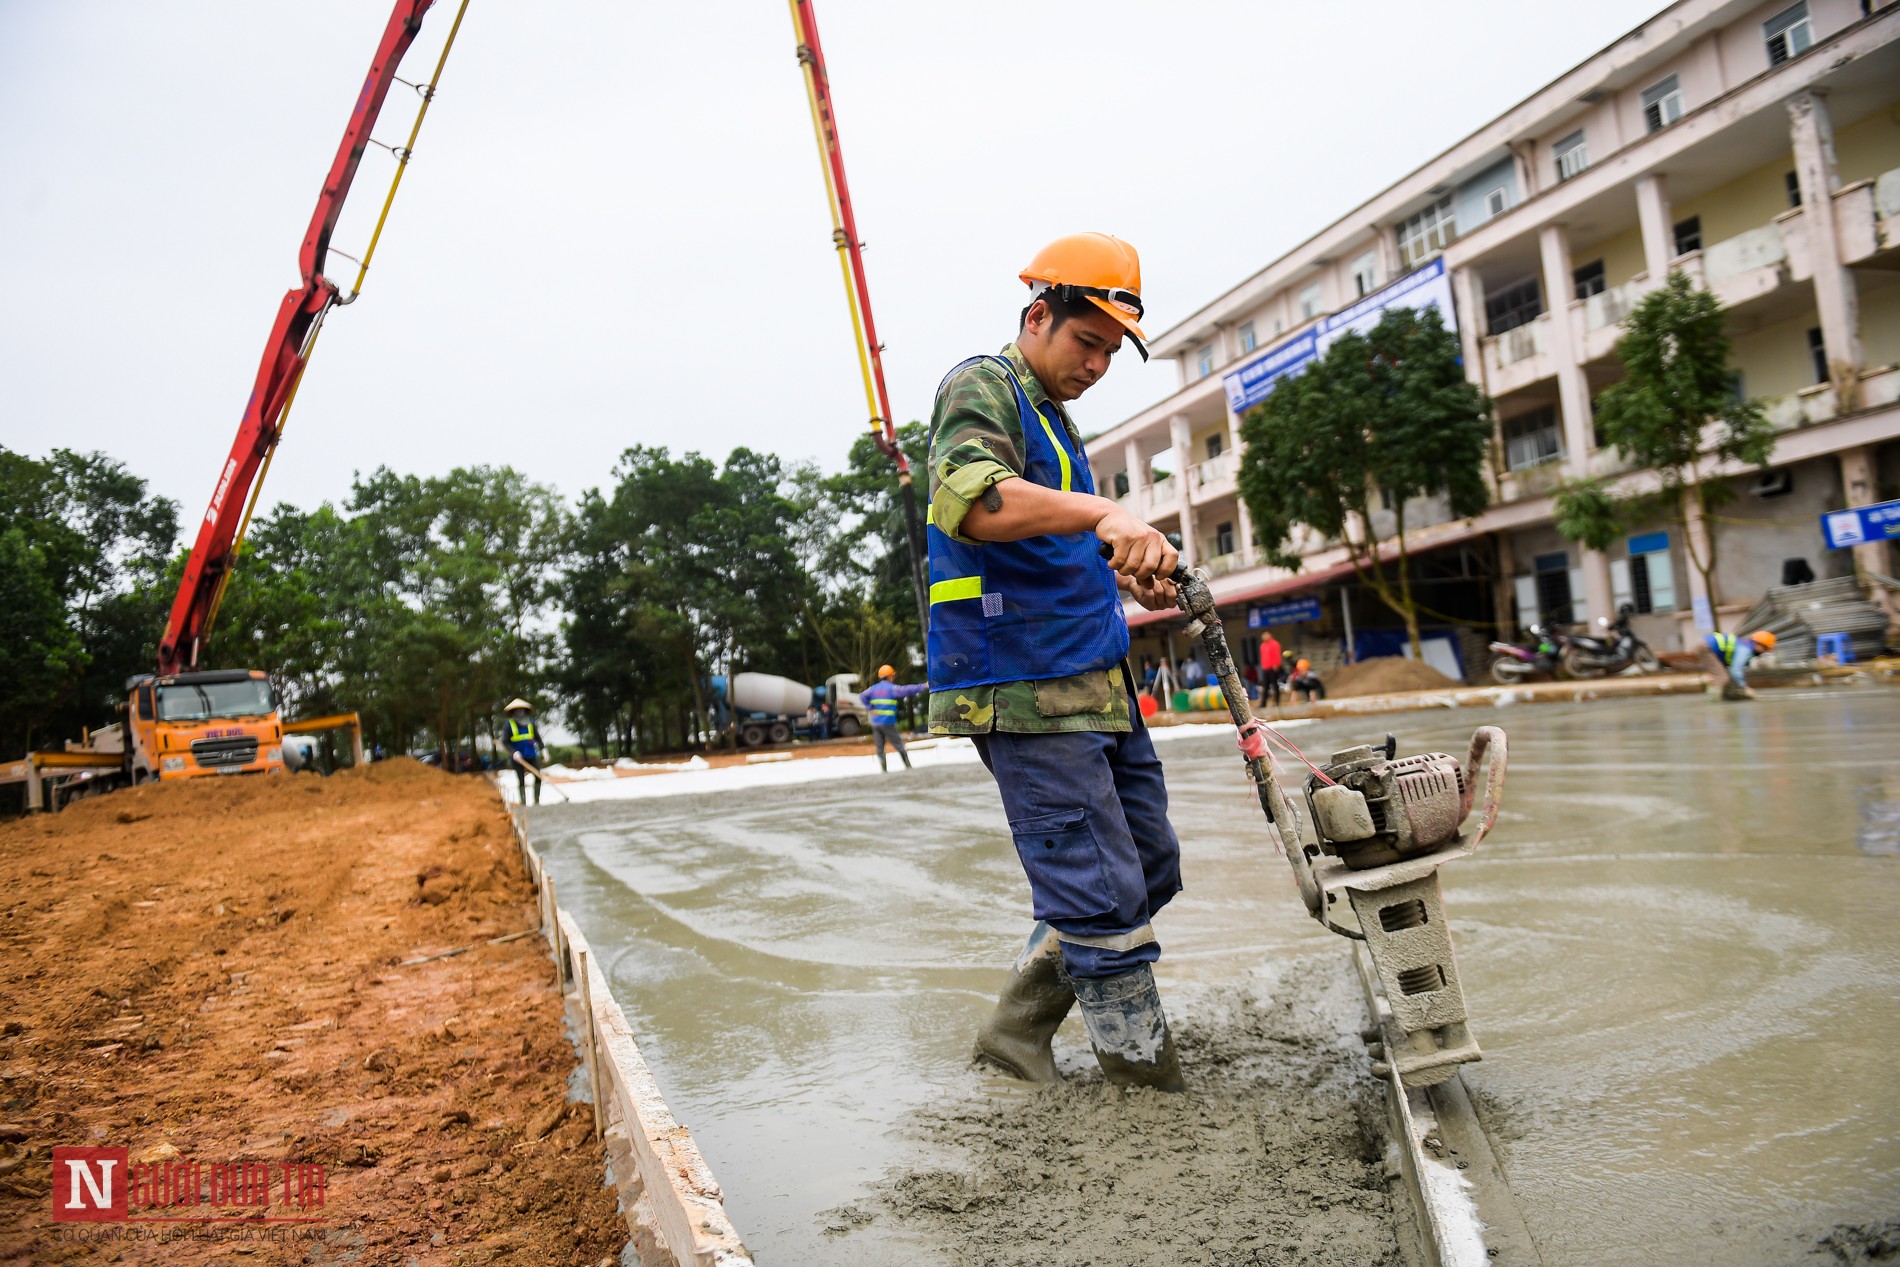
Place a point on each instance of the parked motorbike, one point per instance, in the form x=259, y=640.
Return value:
x=1614, y=650
x=1522, y=662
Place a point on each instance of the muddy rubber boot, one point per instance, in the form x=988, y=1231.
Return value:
x=1129, y=1030
x=1732, y=692
x=1018, y=1033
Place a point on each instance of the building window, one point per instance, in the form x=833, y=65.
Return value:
x=1662, y=104
x=1497, y=202
x=1214, y=444
x=1589, y=279
x=1793, y=184
x=1224, y=540
x=1309, y=302
x=1515, y=305
x=1552, y=572
x=1121, y=484
x=1817, y=353
x=1532, y=439
x=1689, y=235
x=1646, y=580
x=1204, y=361
x=1788, y=33
x=1365, y=273
x=1247, y=341
x=1572, y=156
x=1427, y=233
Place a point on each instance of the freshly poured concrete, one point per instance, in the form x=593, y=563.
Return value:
x=1678, y=946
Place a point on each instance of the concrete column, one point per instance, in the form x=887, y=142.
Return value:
x=1861, y=488
x=1137, y=475
x=1659, y=234
x=1573, y=396
x=1183, y=437
x=1388, y=252
x=1504, y=585
x=1835, y=293
x=1244, y=520
x=1467, y=290
x=1523, y=158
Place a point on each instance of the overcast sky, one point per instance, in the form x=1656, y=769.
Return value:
x=614, y=231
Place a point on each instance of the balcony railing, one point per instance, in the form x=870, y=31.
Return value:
x=1519, y=344
x=1608, y=307
x=1220, y=564
x=1212, y=471
x=1744, y=253
x=1163, y=492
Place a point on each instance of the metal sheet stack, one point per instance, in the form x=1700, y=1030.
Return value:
x=1795, y=614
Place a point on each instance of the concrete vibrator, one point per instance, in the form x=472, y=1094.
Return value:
x=1382, y=825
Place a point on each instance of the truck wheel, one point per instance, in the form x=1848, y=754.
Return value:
x=848, y=728
x=781, y=733
x=752, y=734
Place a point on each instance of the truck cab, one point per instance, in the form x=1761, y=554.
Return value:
x=184, y=725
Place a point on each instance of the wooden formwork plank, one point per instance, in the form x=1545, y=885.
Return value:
x=687, y=1200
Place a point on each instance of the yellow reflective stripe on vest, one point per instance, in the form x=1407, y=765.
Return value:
x=956, y=588
x=1062, y=454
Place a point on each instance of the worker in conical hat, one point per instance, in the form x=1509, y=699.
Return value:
x=524, y=745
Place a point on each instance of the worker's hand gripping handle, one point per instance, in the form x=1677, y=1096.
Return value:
x=1180, y=576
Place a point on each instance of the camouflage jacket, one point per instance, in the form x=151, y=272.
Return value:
x=976, y=440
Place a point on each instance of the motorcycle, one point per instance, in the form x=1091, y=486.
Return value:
x=1515, y=662
x=1614, y=650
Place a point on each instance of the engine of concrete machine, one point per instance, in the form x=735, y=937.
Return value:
x=1370, y=809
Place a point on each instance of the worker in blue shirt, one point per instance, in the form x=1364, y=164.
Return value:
x=882, y=701
x=524, y=745
x=1730, y=654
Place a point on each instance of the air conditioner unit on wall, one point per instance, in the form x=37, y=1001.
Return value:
x=1776, y=483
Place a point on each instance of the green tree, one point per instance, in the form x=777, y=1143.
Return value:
x=41, y=657
x=91, y=535
x=1387, y=412
x=1677, y=412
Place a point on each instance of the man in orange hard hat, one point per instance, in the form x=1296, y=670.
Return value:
x=881, y=700
x=1729, y=654
x=1028, y=651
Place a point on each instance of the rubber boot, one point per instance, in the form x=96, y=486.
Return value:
x=1129, y=1030
x=1018, y=1033
x=1732, y=692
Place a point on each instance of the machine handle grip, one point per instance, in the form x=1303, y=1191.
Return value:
x=1181, y=575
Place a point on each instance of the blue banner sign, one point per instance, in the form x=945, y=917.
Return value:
x=1291, y=612
x=1428, y=287
x=1861, y=525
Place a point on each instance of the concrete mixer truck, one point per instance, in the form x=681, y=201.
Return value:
x=762, y=708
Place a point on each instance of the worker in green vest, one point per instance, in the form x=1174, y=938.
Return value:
x=524, y=746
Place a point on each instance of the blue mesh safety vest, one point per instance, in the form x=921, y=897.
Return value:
x=1723, y=645
x=883, y=704
x=522, y=738
x=1015, y=611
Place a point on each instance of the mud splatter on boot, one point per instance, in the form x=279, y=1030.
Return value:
x=1018, y=1034
x=1129, y=1030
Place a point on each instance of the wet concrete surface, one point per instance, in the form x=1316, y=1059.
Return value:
x=1678, y=945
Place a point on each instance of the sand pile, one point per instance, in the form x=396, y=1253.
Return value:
x=1386, y=675
x=214, y=970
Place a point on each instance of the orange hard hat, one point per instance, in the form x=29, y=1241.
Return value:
x=1301, y=666
x=885, y=670
x=1094, y=266
x=1764, y=639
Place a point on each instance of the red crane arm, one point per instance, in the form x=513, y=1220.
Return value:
x=284, y=355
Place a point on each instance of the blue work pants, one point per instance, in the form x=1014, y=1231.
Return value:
x=1089, y=813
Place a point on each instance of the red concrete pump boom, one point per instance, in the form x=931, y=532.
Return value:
x=214, y=552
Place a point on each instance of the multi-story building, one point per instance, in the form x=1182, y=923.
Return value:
x=1754, y=147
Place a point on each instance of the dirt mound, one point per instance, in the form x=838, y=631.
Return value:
x=1385, y=675
x=214, y=970
x=1274, y=1155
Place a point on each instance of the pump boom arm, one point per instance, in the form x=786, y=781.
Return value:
x=214, y=552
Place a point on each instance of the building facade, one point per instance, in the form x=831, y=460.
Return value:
x=1754, y=147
